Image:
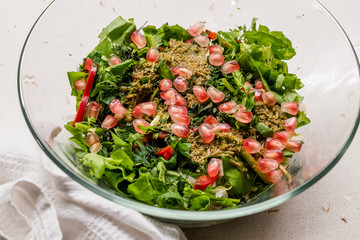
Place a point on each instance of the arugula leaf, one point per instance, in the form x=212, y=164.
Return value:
x=164, y=71
x=120, y=69
x=302, y=119
x=264, y=130
x=170, y=200
x=119, y=30
x=184, y=149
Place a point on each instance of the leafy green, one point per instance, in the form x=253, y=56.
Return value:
x=118, y=31
x=264, y=130
x=164, y=71
x=302, y=119
x=141, y=189
x=184, y=149
x=73, y=76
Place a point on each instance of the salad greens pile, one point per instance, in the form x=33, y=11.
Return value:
x=129, y=162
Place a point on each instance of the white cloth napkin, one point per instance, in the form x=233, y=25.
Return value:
x=38, y=201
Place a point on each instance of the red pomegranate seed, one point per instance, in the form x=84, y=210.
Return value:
x=277, y=155
x=200, y=93
x=241, y=108
x=223, y=127
x=206, y=132
x=273, y=144
x=290, y=124
x=137, y=112
x=251, y=88
x=95, y=148
x=191, y=40
x=196, y=29
x=203, y=41
x=182, y=71
x=180, y=100
x=267, y=164
x=180, y=84
x=180, y=130
x=149, y=108
x=293, y=145
x=210, y=120
x=79, y=85
x=181, y=119
x=216, y=59
x=93, y=110
x=243, y=116
x=269, y=98
x=290, y=107
x=109, y=122
x=152, y=55
x=165, y=84
x=229, y=107
x=177, y=110
x=162, y=135
x=91, y=139
x=282, y=136
x=258, y=95
x=215, y=94
x=140, y=122
x=274, y=176
x=213, y=168
x=215, y=49
x=251, y=145
x=259, y=84
x=230, y=67
x=114, y=60
x=193, y=129
x=138, y=39
x=167, y=95
x=117, y=108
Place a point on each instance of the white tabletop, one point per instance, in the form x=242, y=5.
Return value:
x=328, y=210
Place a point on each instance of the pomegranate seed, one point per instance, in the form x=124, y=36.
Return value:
x=251, y=88
x=203, y=41
x=200, y=93
x=241, y=108
x=91, y=139
x=277, y=155
x=182, y=71
x=165, y=84
x=251, y=145
x=196, y=29
x=191, y=40
x=137, y=113
x=229, y=107
x=223, y=127
x=181, y=119
x=177, y=110
x=152, y=55
x=93, y=110
x=109, y=122
x=114, y=60
x=210, y=120
x=162, y=135
x=243, y=116
x=138, y=39
x=167, y=95
x=293, y=145
x=267, y=164
x=206, y=132
x=79, y=85
x=258, y=95
x=213, y=168
x=259, y=84
x=140, y=122
x=215, y=49
x=216, y=59
x=180, y=84
x=180, y=130
x=230, y=67
x=117, y=108
x=149, y=108
x=193, y=129
x=282, y=136
x=290, y=107
x=215, y=94
x=273, y=144
x=95, y=148
x=180, y=100
x=274, y=176
x=269, y=98
x=290, y=124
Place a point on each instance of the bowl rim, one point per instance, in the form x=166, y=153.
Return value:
x=171, y=214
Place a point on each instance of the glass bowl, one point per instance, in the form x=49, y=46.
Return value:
x=326, y=62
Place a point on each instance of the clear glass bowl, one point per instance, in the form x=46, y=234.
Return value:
x=326, y=62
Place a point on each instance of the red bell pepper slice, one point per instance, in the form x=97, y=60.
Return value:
x=203, y=182
x=165, y=152
x=90, y=67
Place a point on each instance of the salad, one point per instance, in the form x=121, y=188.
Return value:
x=187, y=118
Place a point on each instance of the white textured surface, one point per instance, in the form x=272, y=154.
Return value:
x=328, y=210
